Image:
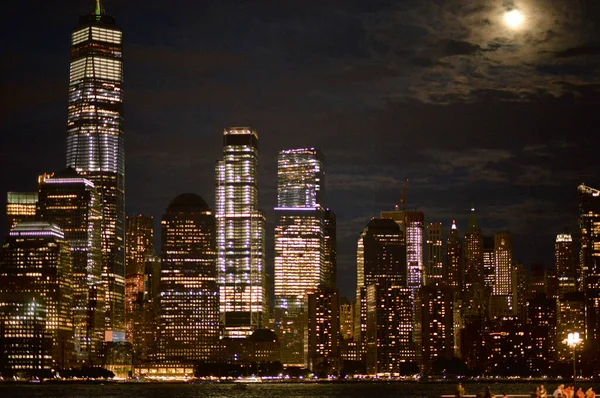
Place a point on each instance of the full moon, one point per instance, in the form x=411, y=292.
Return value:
x=514, y=18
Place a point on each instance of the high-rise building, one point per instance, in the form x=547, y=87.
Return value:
x=436, y=315
x=589, y=256
x=330, y=248
x=541, y=318
x=189, y=298
x=240, y=235
x=389, y=327
x=381, y=259
x=454, y=264
x=72, y=202
x=322, y=331
x=489, y=263
x=571, y=318
x=299, y=233
x=36, y=261
x=139, y=247
x=300, y=240
x=503, y=266
x=346, y=319
x=413, y=232
x=20, y=206
x=519, y=290
x=435, y=254
x=566, y=270
x=95, y=146
x=380, y=254
x=474, y=273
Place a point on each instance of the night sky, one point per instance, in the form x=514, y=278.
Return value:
x=441, y=92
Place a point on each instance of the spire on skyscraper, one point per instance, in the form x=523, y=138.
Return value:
x=99, y=9
x=472, y=226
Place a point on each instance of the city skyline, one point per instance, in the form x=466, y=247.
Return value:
x=538, y=195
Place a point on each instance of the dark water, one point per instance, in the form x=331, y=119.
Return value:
x=341, y=390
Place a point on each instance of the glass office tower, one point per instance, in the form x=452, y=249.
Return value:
x=95, y=143
x=240, y=235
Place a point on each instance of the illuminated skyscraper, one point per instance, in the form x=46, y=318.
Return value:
x=139, y=247
x=589, y=256
x=300, y=230
x=566, y=270
x=36, y=261
x=454, y=264
x=571, y=318
x=240, y=235
x=389, y=332
x=489, y=263
x=503, y=266
x=189, y=317
x=435, y=254
x=413, y=231
x=71, y=202
x=20, y=206
x=95, y=143
x=435, y=307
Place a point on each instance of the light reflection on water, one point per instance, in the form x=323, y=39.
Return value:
x=264, y=390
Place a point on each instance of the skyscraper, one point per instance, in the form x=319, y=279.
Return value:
x=95, y=146
x=36, y=261
x=435, y=254
x=589, y=256
x=381, y=268
x=20, y=206
x=139, y=247
x=330, y=248
x=71, y=201
x=502, y=289
x=322, y=330
x=473, y=257
x=189, y=318
x=566, y=270
x=413, y=231
x=300, y=230
x=454, y=264
x=240, y=235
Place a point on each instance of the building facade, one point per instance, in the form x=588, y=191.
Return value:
x=566, y=270
x=95, y=145
x=503, y=285
x=435, y=254
x=36, y=261
x=454, y=264
x=72, y=202
x=139, y=248
x=322, y=331
x=189, y=296
x=240, y=235
x=20, y=206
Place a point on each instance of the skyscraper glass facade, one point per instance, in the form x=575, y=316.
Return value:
x=240, y=235
x=95, y=146
x=189, y=316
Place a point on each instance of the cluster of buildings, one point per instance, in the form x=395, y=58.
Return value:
x=81, y=284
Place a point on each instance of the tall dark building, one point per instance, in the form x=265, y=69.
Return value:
x=566, y=269
x=330, y=248
x=189, y=317
x=474, y=280
x=589, y=257
x=95, y=146
x=139, y=248
x=36, y=277
x=454, y=265
x=71, y=201
x=381, y=264
x=435, y=254
x=322, y=330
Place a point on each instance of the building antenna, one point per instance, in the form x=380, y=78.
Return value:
x=403, y=196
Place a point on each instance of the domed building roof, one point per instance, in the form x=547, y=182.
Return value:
x=188, y=202
x=263, y=336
